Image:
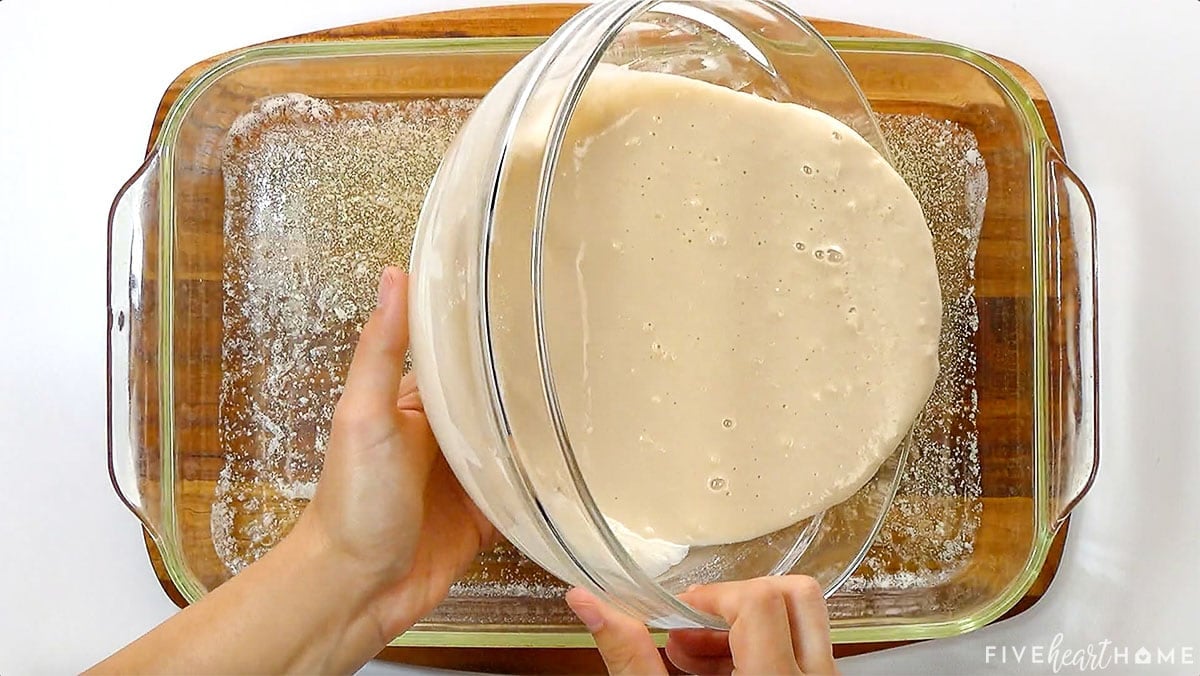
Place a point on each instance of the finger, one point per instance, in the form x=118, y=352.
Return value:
x=409, y=399
x=378, y=365
x=624, y=643
x=760, y=637
x=700, y=651
x=408, y=384
x=809, y=617
x=701, y=642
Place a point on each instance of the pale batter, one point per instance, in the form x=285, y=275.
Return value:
x=742, y=308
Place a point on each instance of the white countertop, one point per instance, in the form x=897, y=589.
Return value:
x=79, y=82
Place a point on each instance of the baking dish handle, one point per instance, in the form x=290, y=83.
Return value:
x=1072, y=336
x=134, y=459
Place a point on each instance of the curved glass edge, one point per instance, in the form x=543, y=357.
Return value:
x=1073, y=468
x=126, y=283
x=1017, y=96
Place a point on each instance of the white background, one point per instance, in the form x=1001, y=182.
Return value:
x=79, y=83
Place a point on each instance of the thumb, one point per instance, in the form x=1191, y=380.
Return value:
x=624, y=643
x=375, y=372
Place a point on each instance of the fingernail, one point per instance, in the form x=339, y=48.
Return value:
x=385, y=287
x=590, y=616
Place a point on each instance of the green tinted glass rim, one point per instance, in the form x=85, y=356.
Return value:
x=444, y=635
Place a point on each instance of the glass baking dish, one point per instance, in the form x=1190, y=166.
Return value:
x=1034, y=344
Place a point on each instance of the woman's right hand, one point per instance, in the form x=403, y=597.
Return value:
x=777, y=625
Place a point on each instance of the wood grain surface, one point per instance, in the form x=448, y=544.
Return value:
x=1001, y=300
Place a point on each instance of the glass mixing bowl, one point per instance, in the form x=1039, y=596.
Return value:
x=487, y=208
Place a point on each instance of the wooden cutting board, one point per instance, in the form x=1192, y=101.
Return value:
x=537, y=20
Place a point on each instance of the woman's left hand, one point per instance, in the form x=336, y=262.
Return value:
x=387, y=502
x=387, y=532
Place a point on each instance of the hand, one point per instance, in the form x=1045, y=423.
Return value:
x=387, y=503
x=387, y=532
x=777, y=625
